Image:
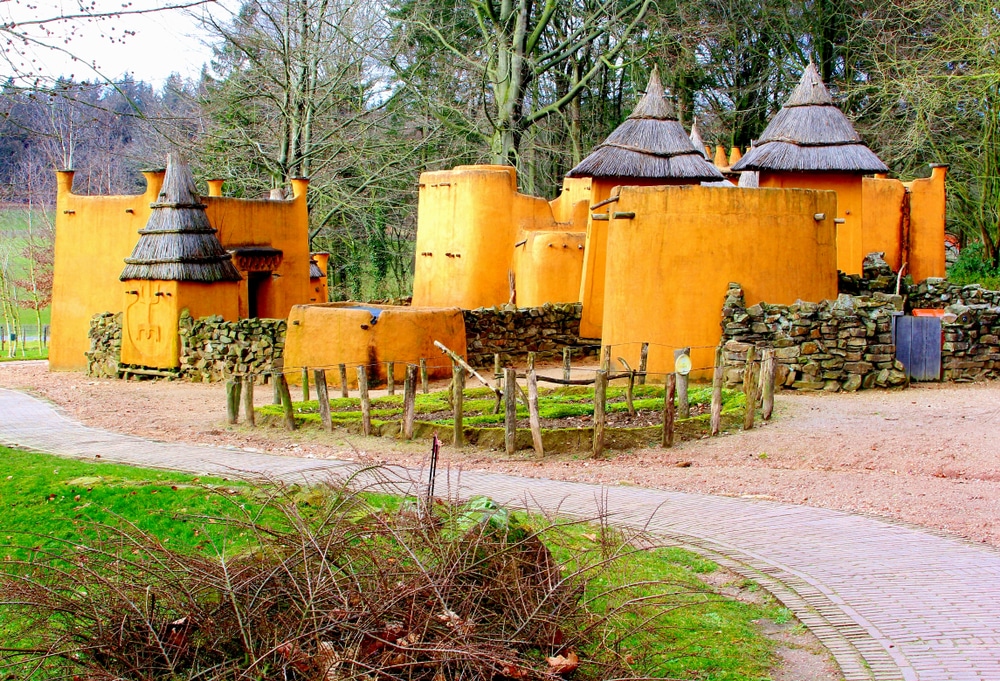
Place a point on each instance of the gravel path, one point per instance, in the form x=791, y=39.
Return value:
x=929, y=455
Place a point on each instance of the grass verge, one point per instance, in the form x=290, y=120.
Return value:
x=658, y=618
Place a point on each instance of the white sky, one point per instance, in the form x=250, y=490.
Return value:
x=165, y=41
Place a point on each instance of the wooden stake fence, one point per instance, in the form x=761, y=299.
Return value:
x=323, y=397
x=390, y=377
x=768, y=370
x=600, y=402
x=458, y=397
x=305, y=384
x=669, y=391
x=248, y=413
x=366, y=404
x=533, y=417
x=233, y=386
x=750, y=379
x=286, y=399
x=683, y=406
x=343, y=379
x=510, y=410
x=717, y=377
x=409, y=401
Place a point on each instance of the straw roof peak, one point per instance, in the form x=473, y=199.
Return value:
x=811, y=133
x=178, y=243
x=811, y=90
x=696, y=139
x=649, y=144
x=654, y=104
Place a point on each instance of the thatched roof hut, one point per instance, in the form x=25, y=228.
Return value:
x=811, y=134
x=178, y=243
x=650, y=144
x=697, y=141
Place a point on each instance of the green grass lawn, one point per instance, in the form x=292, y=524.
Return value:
x=13, y=227
x=47, y=501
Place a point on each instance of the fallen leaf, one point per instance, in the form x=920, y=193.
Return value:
x=563, y=664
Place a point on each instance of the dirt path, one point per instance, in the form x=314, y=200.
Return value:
x=929, y=455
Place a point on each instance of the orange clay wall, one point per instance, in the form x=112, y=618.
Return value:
x=927, y=225
x=850, y=207
x=470, y=220
x=882, y=211
x=592, y=278
x=323, y=336
x=668, y=269
x=94, y=235
x=281, y=224
x=151, y=311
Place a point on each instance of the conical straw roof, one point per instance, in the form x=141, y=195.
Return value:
x=811, y=134
x=651, y=143
x=696, y=139
x=178, y=243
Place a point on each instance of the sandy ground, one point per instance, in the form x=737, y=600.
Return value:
x=929, y=455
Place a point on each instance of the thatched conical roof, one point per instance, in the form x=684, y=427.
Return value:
x=696, y=139
x=811, y=134
x=178, y=243
x=651, y=144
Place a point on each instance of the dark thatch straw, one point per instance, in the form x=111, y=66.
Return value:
x=178, y=243
x=811, y=134
x=651, y=143
x=314, y=271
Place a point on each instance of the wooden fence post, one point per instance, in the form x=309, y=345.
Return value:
x=424, y=387
x=534, y=421
x=305, y=384
x=233, y=386
x=510, y=409
x=643, y=360
x=276, y=391
x=248, y=413
x=323, y=397
x=717, y=391
x=498, y=377
x=343, y=379
x=409, y=401
x=749, y=387
x=600, y=402
x=390, y=377
x=286, y=400
x=458, y=397
x=366, y=404
x=669, y=392
x=606, y=359
x=768, y=369
x=567, y=363
x=683, y=406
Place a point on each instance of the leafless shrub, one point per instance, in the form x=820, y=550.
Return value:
x=314, y=587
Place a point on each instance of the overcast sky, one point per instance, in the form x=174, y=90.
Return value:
x=164, y=42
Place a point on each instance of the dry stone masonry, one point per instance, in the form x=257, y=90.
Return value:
x=844, y=344
x=105, y=345
x=514, y=332
x=213, y=349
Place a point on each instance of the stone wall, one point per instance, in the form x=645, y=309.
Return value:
x=213, y=349
x=971, y=348
x=939, y=294
x=844, y=344
x=105, y=345
x=514, y=332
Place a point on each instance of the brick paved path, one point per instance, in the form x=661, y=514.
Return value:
x=891, y=602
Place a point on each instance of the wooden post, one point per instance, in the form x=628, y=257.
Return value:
x=248, y=413
x=458, y=397
x=534, y=421
x=390, y=377
x=749, y=387
x=424, y=387
x=643, y=360
x=567, y=363
x=717, y=392
x=366, y=404
x=669, y=391
x=343, y=379
x=606, y=359
x=510, y=409
x=276, y=391
x=498, y=377
x=323, y=397
x=233, y=386
x=768, y=369
x=409, y=401
x=305, y=384
x=600, y=402
x=683, y=407
x=286, y=400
